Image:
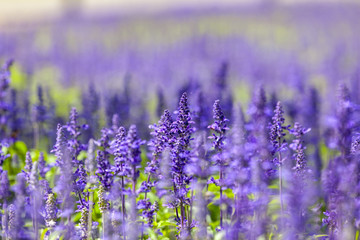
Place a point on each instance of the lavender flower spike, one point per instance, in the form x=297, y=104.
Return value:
x=277, y=139
x=219, y=127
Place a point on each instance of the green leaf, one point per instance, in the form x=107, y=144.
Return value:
x=43, y=233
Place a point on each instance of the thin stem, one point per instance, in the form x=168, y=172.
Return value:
x=142, y=225
x=4, y=222
x=176, y=210
x=123, y=206
x=221, y=196
x=91, y=199
x=34, y=218
x=280, y=190
x=280, y=183
x=104, y=223
x=182, y=211
x=190, y=210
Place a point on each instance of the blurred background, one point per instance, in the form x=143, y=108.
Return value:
x=157, y=49
x=35, y=10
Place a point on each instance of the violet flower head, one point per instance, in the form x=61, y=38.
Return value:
x=331, y=220
x=183, y=124
x=134, y=153
x=219, y=127
x=81, y=178
x=161, y=137
x=345, y=121
x=28, y=165
x=42, y=165
x=297, y=146
x=148, y=210
x=104, y=168
x=4, y=106
x=277, y=133
x=59, y=146
x=4, y=185
x=21, y=191
x=180, y=154
x=74, y=130
x=120, y=149
x=72, y=125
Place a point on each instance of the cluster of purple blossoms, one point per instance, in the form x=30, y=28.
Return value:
x=221, y=185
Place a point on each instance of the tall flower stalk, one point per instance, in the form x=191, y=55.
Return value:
x=120, y=152
x=277, y=135
x=133, y=161
x=182, y=130
x=219, y=127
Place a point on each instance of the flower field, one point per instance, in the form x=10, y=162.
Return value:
x=219, y=125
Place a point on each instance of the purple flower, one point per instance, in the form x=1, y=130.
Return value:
x=345, y=123
x=104, y=171
x=148, y=210
x=120, y=149
x=59, y=146
x=16, y=211
x=331, y=220
x=4, y=186
x=219, y=127
x=28, y=166
x=161, y=137
x=182, y=131
x=4, y=105
x=297, y=145
x=134, y=154
x=277, y=128
x=42, y=165
x=74, y=130
x=80, y=177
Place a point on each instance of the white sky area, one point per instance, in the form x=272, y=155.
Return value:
x=26, y=10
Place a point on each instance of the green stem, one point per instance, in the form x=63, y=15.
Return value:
x=190, y=210
x=4, y=222
x=145, y=196
x=89, y=229
x=221, y=196
x=123, y=206
x=280, y=183
x=103, y=224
